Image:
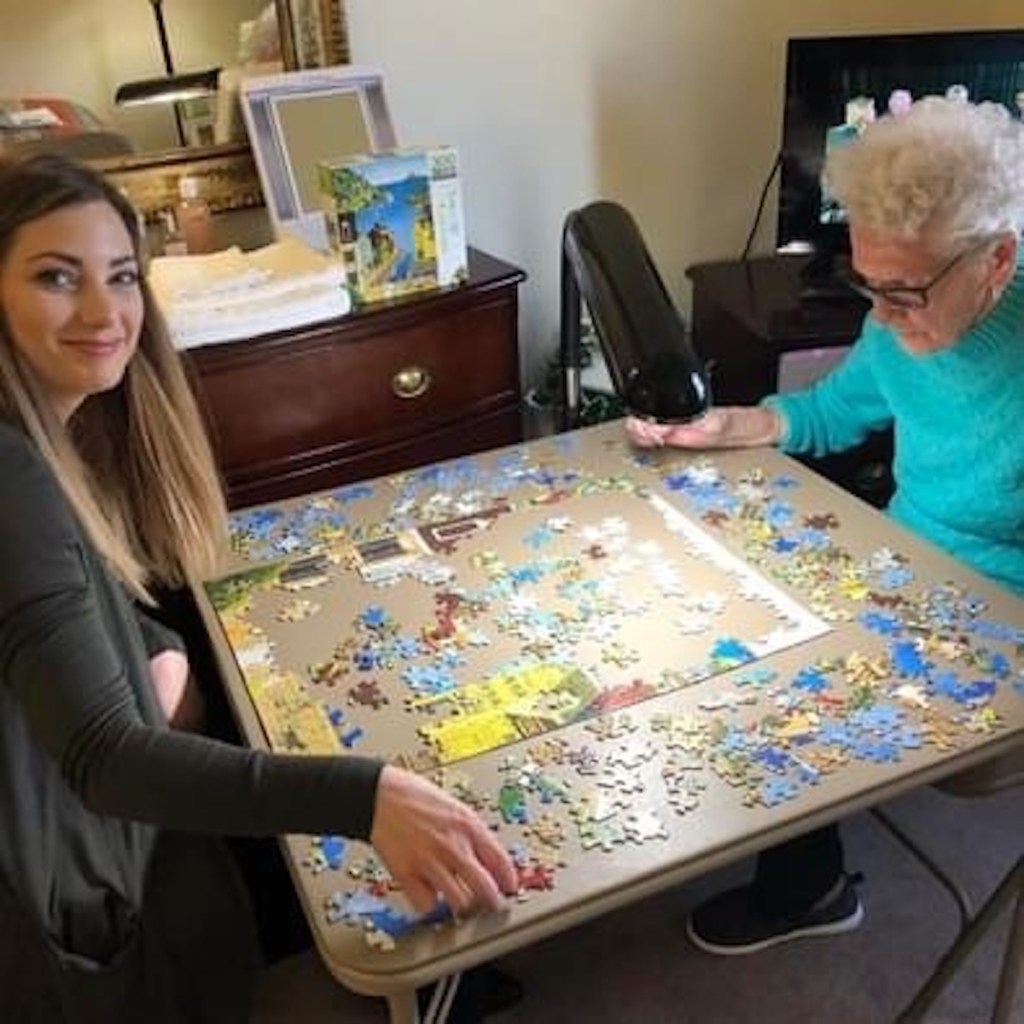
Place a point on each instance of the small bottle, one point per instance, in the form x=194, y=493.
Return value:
x=194, y=218
x=173, y=240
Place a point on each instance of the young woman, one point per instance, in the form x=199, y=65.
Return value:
x=935, y=200
x=115, y=901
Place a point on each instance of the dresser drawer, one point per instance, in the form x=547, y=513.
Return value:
x=339, y=391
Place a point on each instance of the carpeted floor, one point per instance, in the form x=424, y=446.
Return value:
x=636, y=966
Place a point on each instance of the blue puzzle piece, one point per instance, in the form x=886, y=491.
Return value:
x=881, y=623
x=812, y=680
x=909, y=737
x=894, y=577
x=352, y=737
x=877, y=718
x=731, y=650
x=366, y=659
x=978, y=692
x=835, y=734
x=391, y=921
x=773, y=758
x=777, y=791
x=333, y=850
x=406, y=647
x=374, y=616
x=439, y=914
x=878, y=751
x=530, y=573
x=450, y=660
x=258, y=523
x=807, y=773
x=757, y=677
x=734, y=740
x=996, y=663
x=948, y=684
x=907, y=660
x=352, y=907
x=345, y=495
x=540, y=537
x=784, y=545
x=814, y=539
x=779, y=514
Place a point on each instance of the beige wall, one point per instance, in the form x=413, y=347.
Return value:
x=671, y=107
x=83, y=49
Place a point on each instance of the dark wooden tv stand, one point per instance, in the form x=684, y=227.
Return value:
x=748, y=314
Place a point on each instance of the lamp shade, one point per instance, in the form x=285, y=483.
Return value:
x=654, y=368
x=168, y=88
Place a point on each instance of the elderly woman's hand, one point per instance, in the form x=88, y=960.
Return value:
x=434, y=845
x=725, y=427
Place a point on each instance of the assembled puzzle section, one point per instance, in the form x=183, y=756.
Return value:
x=396, y=218
x=500, y=613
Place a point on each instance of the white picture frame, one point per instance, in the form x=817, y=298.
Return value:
x=297, y=118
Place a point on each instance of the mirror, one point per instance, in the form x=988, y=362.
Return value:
x=286, y=116
x=44, y=56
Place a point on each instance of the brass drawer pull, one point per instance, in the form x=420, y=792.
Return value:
x=411, y=382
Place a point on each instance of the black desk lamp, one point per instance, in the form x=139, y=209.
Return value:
x=172, y=87
x=654, y=369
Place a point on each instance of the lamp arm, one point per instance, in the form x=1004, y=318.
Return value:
x=649, y=356
x=570, y=356
x=161, y=31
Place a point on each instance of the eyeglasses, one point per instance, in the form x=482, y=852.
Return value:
x=905, y=296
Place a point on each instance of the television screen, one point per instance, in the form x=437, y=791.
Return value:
x=834, y=85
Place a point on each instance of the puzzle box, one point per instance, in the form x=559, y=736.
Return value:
x=396, y=219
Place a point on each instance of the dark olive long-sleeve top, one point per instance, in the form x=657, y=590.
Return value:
x=89, y=771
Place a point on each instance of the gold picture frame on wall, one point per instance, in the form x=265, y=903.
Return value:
x=313, y=33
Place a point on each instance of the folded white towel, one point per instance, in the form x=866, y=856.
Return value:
x=231, y=295
x=192, y=327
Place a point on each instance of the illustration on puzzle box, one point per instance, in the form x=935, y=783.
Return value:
x=396, y=219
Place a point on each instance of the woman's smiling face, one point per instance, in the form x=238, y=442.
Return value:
x=71, y=301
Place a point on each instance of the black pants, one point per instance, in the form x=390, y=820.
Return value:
x=792, y=877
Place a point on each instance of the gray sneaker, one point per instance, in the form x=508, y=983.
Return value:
x=727, y=925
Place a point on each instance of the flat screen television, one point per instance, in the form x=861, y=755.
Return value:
x=829, y=84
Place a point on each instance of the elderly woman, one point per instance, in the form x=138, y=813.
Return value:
x=935, y=200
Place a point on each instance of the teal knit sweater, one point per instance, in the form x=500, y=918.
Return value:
x=958, y=421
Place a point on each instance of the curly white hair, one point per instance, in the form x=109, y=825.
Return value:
x=946, y=169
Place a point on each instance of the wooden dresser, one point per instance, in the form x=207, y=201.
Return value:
x=385, y=388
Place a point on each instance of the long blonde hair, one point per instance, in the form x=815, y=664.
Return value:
x=134, y=462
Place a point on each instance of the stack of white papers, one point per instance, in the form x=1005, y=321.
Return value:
x=233, y=295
